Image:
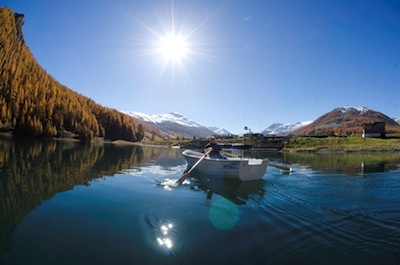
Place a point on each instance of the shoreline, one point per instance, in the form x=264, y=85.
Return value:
x=294, y=145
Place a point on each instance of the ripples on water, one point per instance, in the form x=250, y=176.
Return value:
x=334, y=218
x=305, y=216
x=135, y=214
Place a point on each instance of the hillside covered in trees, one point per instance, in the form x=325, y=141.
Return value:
x=345, y=121
x=34, y=103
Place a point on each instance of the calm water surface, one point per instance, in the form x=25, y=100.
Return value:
x=70, y=203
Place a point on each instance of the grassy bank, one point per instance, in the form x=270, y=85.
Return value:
x=290, y=144
x=342, y=144
x=304, y=144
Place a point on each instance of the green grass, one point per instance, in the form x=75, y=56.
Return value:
x=351, y=143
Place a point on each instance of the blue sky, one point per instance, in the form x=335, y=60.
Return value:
x=247, y=62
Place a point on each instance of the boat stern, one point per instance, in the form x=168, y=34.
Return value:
x=254, y=169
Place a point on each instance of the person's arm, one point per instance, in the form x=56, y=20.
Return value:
x=207, y=149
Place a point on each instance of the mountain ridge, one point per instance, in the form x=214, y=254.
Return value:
x=277, y=129
x=347, y=120
x=284, y=129
x=172, y=124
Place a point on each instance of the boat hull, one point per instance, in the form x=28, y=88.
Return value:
x=238, y=168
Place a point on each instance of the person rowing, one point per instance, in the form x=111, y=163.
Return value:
x=216, y=149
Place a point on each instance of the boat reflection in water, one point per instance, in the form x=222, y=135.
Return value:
x=225, y=196
x=234, y=190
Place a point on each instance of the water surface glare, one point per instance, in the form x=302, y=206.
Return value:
x=67, y=203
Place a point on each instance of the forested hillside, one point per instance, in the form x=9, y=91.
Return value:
x=347, y=121
x=34, y=103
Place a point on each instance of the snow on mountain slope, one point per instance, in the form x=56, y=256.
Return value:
x=172, y=124
x=360, y=109
x=283, y=129
x=160, y=118
x=222, y=132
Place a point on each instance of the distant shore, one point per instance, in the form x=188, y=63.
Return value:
x=349, y=144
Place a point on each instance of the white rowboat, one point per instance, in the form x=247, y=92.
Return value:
x=244, y=169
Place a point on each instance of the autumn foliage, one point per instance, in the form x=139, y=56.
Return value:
x=339, y=122
x=34, y=103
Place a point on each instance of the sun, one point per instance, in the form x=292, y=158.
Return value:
x=173, y=43
x=173, y=48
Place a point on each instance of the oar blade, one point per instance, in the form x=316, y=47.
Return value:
x=183, y=178
x=286, y=169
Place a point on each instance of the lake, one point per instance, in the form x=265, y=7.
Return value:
x=73, y=203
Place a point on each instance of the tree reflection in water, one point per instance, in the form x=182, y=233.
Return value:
x=33, y=170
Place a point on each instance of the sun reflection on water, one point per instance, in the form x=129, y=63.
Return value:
x=165, y=240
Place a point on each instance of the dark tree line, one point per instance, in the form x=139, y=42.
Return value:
x=33, y=103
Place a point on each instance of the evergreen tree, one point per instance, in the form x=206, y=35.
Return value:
x=34, y=103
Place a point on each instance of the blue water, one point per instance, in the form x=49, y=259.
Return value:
x=127, y=215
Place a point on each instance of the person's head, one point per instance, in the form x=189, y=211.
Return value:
x=212, y=139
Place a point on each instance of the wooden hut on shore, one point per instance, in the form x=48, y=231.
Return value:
x=374, y=130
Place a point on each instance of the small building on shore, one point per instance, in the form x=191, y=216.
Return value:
x=374, y=130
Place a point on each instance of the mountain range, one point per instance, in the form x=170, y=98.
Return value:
x=346, y=120
x=172, y=124
x=34, y=103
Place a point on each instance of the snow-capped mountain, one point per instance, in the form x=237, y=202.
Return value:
x=173, y=123
x=282, y=129
x=220, y=131
x=160, y=118
x=347, y=120
x=360, y=109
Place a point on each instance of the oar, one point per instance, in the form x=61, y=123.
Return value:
x=184, y=176
x=269, y=164
x=280, y=167
x=231, y=155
